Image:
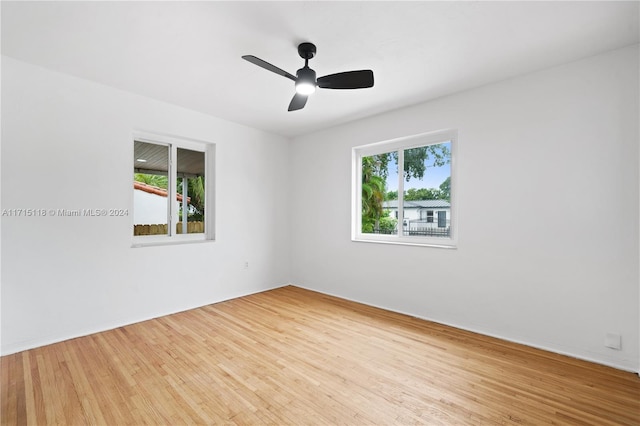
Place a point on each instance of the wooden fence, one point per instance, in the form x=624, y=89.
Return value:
x=161, y=229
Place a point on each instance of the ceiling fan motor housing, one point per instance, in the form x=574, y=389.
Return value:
x=307, y=50
x=306, y=74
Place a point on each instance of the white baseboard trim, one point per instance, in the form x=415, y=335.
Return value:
x=485, y=333
x=74, y=334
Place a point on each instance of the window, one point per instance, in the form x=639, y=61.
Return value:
x=172, y=190
x=427, y=214
x=410, y=178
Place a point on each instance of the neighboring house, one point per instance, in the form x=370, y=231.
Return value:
x=150, y=204
x=421, y=214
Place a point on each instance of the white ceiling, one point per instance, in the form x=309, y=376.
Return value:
x=189, y=53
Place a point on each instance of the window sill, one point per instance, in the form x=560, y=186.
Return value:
x=401, y=242
x=199, y=239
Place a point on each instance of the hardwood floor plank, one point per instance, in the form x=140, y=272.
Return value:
x=291, y=356
x=9, y=395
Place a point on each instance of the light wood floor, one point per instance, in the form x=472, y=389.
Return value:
x=291, y=356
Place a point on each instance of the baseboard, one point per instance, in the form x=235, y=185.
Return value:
x=74, y=334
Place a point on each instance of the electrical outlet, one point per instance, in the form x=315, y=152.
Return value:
x=613, y=341
x=246, y=264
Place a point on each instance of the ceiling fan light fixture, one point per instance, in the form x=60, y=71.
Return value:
x=305, y=87
x=306, y=81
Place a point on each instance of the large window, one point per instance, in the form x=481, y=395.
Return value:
x=172, y=196
x=399, y=185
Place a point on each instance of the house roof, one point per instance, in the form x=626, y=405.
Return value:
x=156, y=190
x=418, y=204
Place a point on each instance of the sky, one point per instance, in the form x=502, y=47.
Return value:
x=432, y=178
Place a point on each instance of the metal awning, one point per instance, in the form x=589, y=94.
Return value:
x=156, y=160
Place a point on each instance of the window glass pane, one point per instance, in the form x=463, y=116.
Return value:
x=190, y=189
x=379, y=201
x=150, y=189
x=427, y=180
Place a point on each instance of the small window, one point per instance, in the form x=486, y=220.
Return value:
x=409, y=178
x=172, y=196
x=429, y=216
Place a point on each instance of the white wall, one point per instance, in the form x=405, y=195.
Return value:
x=67, y=143
x=555, y=152
x=149, y=208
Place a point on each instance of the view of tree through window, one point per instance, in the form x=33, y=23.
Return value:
x=375, y=175
x=427, y=169
x=191, y=182
x=169, y=190
x=422, y=208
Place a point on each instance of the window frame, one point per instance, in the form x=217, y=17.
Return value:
x=399, y=145
x=172, y=237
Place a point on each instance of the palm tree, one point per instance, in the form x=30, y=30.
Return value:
x=373, y=191
x=159, y=181
x=195, y=188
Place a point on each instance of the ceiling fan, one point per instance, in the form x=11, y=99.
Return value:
x=306, y=81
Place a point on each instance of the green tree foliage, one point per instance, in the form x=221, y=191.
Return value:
x=417, y=160
x=445, y=189
x=375, y=170
x=159, y=181
x=195, y=187
x=391, y=195
x=414, y=194
x=387, y=224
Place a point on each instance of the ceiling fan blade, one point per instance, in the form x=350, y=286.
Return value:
x=347, y=80
x=298, y=102
x=267, y=66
